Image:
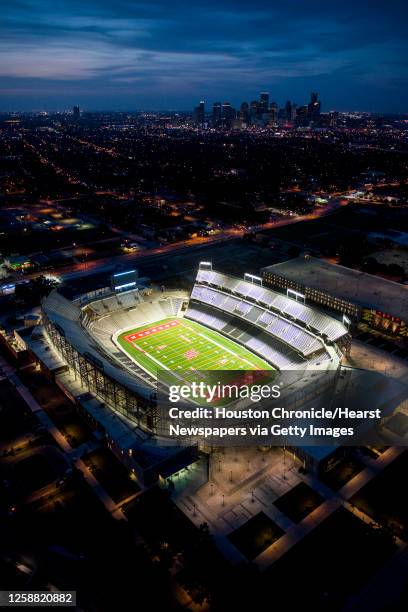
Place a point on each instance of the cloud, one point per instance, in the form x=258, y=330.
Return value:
x=194, y=47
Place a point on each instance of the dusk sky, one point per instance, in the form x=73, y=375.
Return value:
x=129, y=55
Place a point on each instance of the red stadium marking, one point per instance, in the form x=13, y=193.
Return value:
x=191, y=354
x=155, y=329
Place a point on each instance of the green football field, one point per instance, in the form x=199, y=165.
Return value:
x=184, y=346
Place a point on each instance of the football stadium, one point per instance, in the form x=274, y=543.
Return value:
x=105, y=347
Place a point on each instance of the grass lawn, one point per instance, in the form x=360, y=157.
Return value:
x=15, y=416
x=112, y=475
x=398, y=424
x=72, y=517
x=329, y=564
x=254, y=536
x=184, y=347
x=342, y=472
x=384, y=498
x=58, y=407
x=159, y=520
x=299, y=502
x=34, y=472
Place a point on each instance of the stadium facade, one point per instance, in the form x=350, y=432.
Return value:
x=76, y=345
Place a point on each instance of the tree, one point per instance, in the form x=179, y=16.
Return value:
x=31, y=293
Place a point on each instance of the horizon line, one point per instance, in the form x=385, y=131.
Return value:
x=173, y=110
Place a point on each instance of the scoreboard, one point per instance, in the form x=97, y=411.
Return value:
x=124, y=281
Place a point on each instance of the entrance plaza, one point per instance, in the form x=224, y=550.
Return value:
x=238, y=484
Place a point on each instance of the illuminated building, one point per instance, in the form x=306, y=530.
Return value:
x=381, y=303
x=314, y=107
x=217, y=113
x=264, y=103
x=244, y=112
x=199, y=113
x=228, y=113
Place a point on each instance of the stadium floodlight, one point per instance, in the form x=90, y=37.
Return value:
x=133, y=284
x=53, y=277
x=255, y=280
x=346, y=321
x=296, y=295
x=205, y=265
x=123, y=273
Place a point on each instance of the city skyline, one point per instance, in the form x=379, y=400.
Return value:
x=208, y=106
x=147, y=57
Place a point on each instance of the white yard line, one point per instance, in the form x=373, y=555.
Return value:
x=199, y=363
x=223, y=348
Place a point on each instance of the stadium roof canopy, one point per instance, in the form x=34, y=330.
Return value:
x=66, y=315
x=352, y=285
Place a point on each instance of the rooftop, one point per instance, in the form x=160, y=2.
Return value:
x=353, y=285
x=83, y=284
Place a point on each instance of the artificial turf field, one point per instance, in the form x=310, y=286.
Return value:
x=182, y=345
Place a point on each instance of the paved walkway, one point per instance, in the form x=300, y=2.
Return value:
x=225, y=507
x=297, y=532
x=71, y=454
x=107, y=501
x=369, y=357
x=34, y=406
